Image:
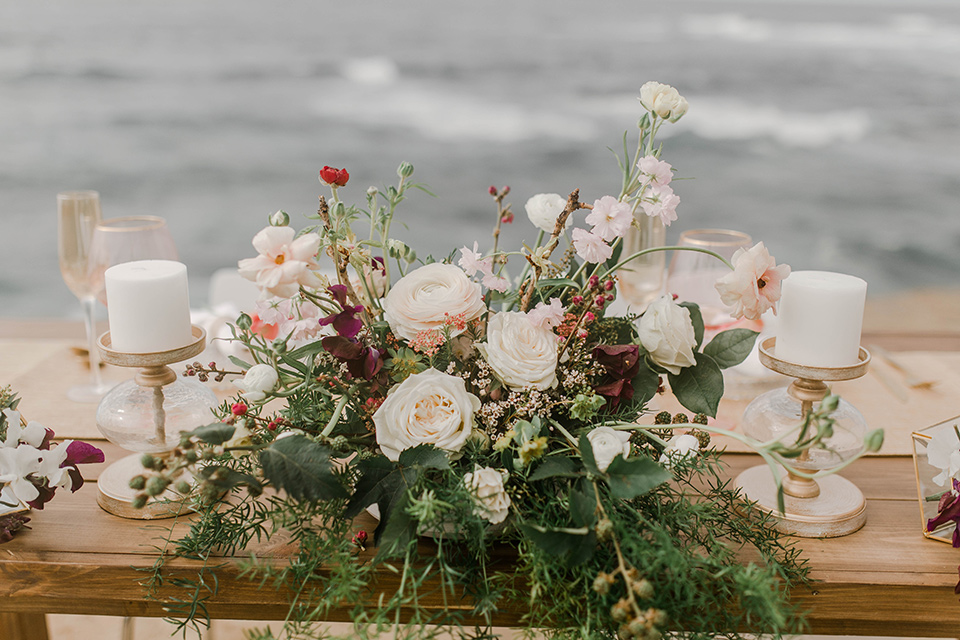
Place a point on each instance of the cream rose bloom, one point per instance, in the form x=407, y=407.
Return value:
x=679, y=448
x=259, y=380
x=666, y=332
x=543, y=210
x=519, y=352
x=429, y=407
x=486, y=485
x=607, y=444
x=420, y=299
x=663, y=100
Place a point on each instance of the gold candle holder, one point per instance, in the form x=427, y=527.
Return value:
x=146, y=415
x=830, y=506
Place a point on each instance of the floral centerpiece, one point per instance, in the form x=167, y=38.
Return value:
x=488, y=401
x=32, y=468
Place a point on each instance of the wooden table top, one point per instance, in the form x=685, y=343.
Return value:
x=886, y=579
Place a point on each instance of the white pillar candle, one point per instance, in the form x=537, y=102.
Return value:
x=148, y=306
x=820, y=318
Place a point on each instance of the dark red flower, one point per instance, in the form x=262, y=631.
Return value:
x=948, y=510
x=622, y=363
x=333, y=176
x=362, y=362
x=345, y=322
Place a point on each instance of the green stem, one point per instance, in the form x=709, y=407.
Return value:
x=670, y=248
x=335, y=418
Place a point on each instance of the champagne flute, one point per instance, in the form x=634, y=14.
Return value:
x=126, y=239
x=78, y=214
x=692, y=274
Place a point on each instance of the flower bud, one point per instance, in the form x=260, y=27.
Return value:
x=643, y=589
x=873, y=441
x=183, y=487
x=147, y=461
x=139, y=502
x=279, y=219
x=156, y=485
x=492, y=191
x=830, y=403
x=244, y=322
x=338, y=210
x=372, y=192
x=137, y=483
x=405, y=170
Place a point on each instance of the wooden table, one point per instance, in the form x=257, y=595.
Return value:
x=886, y=579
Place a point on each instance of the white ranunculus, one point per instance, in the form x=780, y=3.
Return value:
x=259, y=380
x=607, y=444
x=486, y=485
x=429, y=407
x=420, y=300
x=679, y=448
x=543, y=210
x=666, y=332
x=663, y=100
x=519, y=352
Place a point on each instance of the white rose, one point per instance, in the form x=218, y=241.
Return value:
x=679, y=448
x=420, y=299
x=543, y=210
x=429, y=407
x=666, y=332
x=520, y=353
x=486, y=485
x=258, y=381
x=663, y=100
x=607, y=444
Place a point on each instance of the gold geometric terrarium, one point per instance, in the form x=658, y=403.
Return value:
x=933, y=481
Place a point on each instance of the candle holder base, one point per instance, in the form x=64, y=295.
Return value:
x=115, y=496
x=838, y=510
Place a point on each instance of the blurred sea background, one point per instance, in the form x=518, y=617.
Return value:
x=829, y=130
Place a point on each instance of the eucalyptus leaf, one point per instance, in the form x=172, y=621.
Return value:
x=216, y=433
x=730, y=348
x=700, y=387
x=556, y=466
x=697, y=318
x=302, y=468
x=634, y=477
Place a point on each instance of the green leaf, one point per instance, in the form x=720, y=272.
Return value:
x=397, y=527
x=302, y=468
x=295, y=364
x=730, y=348
x=310, y=349
x=216, y=433
x=557, y=282
x=226, y=479
x=697, y=318
x=554, y=467
x=382, y=483
x=700, y=387
x=240, y=363
x=634, y=477
x=586, y=454
x=426, y=456
x=555, y=541
x=583, y=505
x=645, y=385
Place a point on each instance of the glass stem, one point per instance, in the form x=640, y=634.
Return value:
x=89, y=312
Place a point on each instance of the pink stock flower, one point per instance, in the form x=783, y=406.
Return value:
x=284, y=263
x=661, y=202
x=753, y=286
x=591, y=247
x=656, y=173
x=496, y=283
x=547, y=315
x=610, y=218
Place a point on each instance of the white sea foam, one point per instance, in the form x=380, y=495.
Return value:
x=442, y=114
x=376, y=71
x=724, y=119
x=899, y=32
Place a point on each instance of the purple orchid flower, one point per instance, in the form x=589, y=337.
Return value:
x=948, y=510
x=345, y=322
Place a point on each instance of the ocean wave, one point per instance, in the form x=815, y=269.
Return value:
x=899, y=32
x=724, y=119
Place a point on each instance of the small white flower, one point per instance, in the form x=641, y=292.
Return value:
x=663, y=100
x=661, y=202
x=486, y=485
x=591, y=247
x=33, y=434
x=610, y=218
x=50, y=461
x=682, y=447
x=656, y=173
x=607, y=444
x=547, y=315
x=943, y=452
x=666, y=332
x=543, y=210
x=284, y=263
x=16, y=464
x=259, y=380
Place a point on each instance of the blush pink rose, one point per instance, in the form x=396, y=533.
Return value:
x=753, y=286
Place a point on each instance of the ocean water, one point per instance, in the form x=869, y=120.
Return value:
x=829, y=130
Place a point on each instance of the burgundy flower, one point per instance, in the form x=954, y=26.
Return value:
x=948, y=510
x=362, y=362
x=622, y=363
x=345, y=322
x=333, y=176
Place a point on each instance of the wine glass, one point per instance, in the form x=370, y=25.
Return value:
x=78, y=214
x=692, y=274
x=126, y=239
